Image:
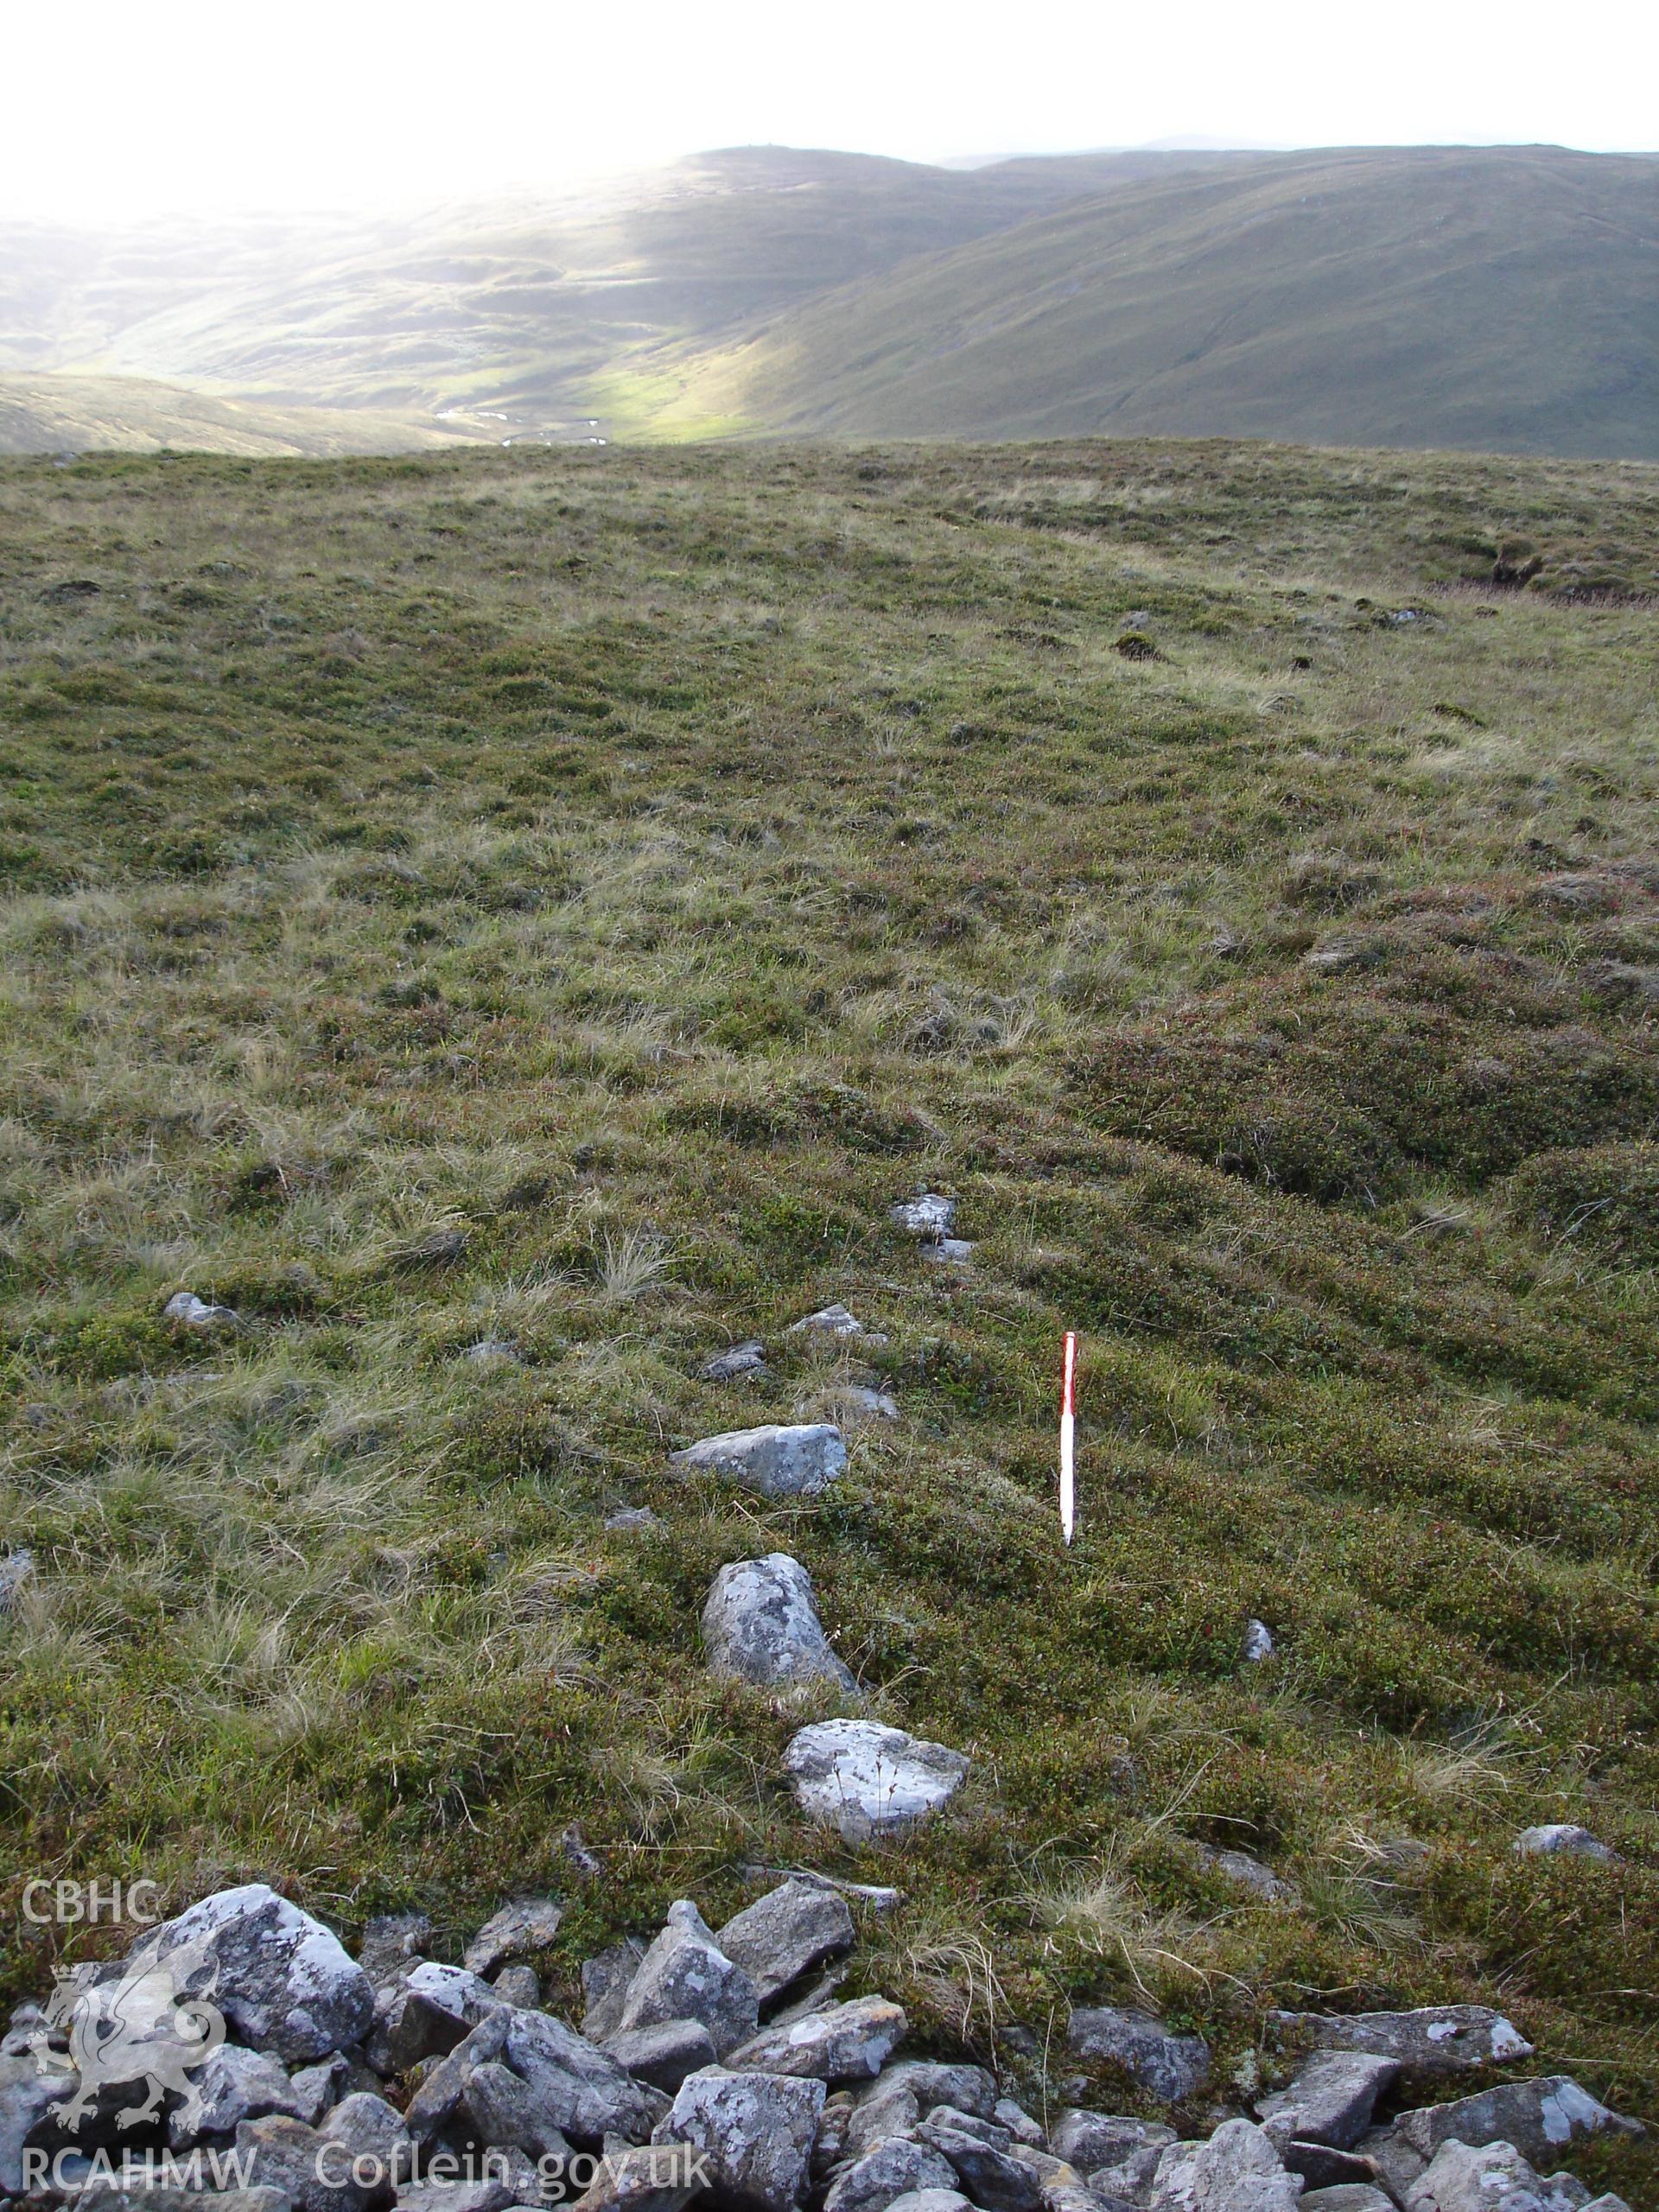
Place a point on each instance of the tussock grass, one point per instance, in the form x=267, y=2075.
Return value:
x=692, y=854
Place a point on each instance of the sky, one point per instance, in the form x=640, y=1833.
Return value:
x=119, y=112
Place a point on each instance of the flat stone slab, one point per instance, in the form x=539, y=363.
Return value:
x=1431, y=2039
x=867, y=1780
x=777, y=1461
x=1562, y=1835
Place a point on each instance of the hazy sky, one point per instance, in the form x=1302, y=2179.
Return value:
x=124, y=109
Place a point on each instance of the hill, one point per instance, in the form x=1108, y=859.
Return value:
x=1503, y=299
x=46, y=414
x=1490, y=298
x=509, y=925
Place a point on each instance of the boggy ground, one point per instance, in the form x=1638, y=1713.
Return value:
x=565, y=898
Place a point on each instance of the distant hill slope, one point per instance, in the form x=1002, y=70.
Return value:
x=41, y=414
x=1506, y=299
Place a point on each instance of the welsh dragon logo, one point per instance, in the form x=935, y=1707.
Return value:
x=141, y=2028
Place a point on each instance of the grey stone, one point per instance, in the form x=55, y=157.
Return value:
x=1330, y=2099
x=1563, y=1836
x=392, y=1945
x=26, y=2090
x=949, y=1251
x=517, y=1984
x=1250, y=1874
x=1256, y=1643
x=847, y=2042
x=1019, y=2123
x=985, y=2171
x=932, y=2081
x=517, y=1931
x=665, y=2054
x=1321, y=2167
x=742, y=1359
x=930, y=1216
x=581, y=2090
x=484, y=2194
x=629, y=1517
x=427, y=2014
x=867, y=1780
x=1236, y=2170
x=891, y=2169
x=1541, y=2117
x=1489, y=2177
x=834, y=1321
x=786, y=1934
x=1347, y=2197
x=930, y=2200
x=506, y=2112
x=686, y=1976
x=605, y=1978
x=860, y=1402
x=1170, y=2067
x=1433, y=2039
x=232, y=2085
x=16, y=1567
x=198, y=1313
x=777, y=1460
x=760, y=1626
x=318, y=2089
x=757, y=2129
x=1088, y=2140
x=285, y=2154
x=492, y=1351
x=281, y=1980
x=369, y=2132
x=645, y=2177
x=102, y=2196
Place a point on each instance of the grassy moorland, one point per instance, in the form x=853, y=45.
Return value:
x=565, y=898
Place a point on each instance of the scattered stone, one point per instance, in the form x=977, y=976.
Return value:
x=1250, y=1874
x=834, y=1321
x=16, y=1567
x=893, y=2169
x=632, y=1517
x=1171, y=2066
x=932, y=2200
x=847, y=2042
x=867, y=1780
x=492, y=1351
x=686, y=1976
x=284, y=1982
x=949, y=1251
x=1347, y=2197
x=777, y=1461
x=505, y=2111
x=784, y=1934
x=1330, y=2099
x=986, y=2172
x=1320, y=2167
x=1236, y=2170
x=932, y=2081
x=198, y=1313
x=1342, y=955
x=1258, y=1642
x=426, y=2014
x=517, y=1931
x=1541, y=2118
x=758, y=2132
x=930, y=1216
x=1563, y=1836
x=742, y=1359
x=605, y=1980
x=665, y=2054
x=392, y=1945
x=1489, y=2177
x=97, y=2196
x=488, y=2194
x=518, y=1984
x=232, y=2085
x=27, y=2088
x=1433, y=2039
x=277, y=2152
x=1094, y=2141
x=319, y=2088
x=581, y=2090
x=860, y=1401
x=1019, y=2123
x=760, y=1626
x=370, y=2135
x=642, y=2179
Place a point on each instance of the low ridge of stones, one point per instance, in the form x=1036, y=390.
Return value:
x=721, y=2064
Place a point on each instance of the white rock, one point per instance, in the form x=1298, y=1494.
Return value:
x=1257, y=1643
x=517, y=1931
x=1541, y=2117
x=1486, y=2177
x=845, y=2043
x=777, y=1460
x=284, y=1982
x=1433, y=2039
x=930, y=1214
x=760, y=1626
x=867, y=1780
x=1562, y=1835
x=232, y=2085
x=833, y=1321
x=758, y=2130
x=686, y=1976
x=949, y=1251
x=196, y=1313
x=1236, y=2170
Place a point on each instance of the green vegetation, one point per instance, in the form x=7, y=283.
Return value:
x=1495, y=298
x=565, y=898
x=46, y=414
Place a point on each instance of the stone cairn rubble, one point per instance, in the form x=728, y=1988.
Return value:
x=720, y=2066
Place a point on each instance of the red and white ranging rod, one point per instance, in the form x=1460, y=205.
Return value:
x=1069, y=1438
